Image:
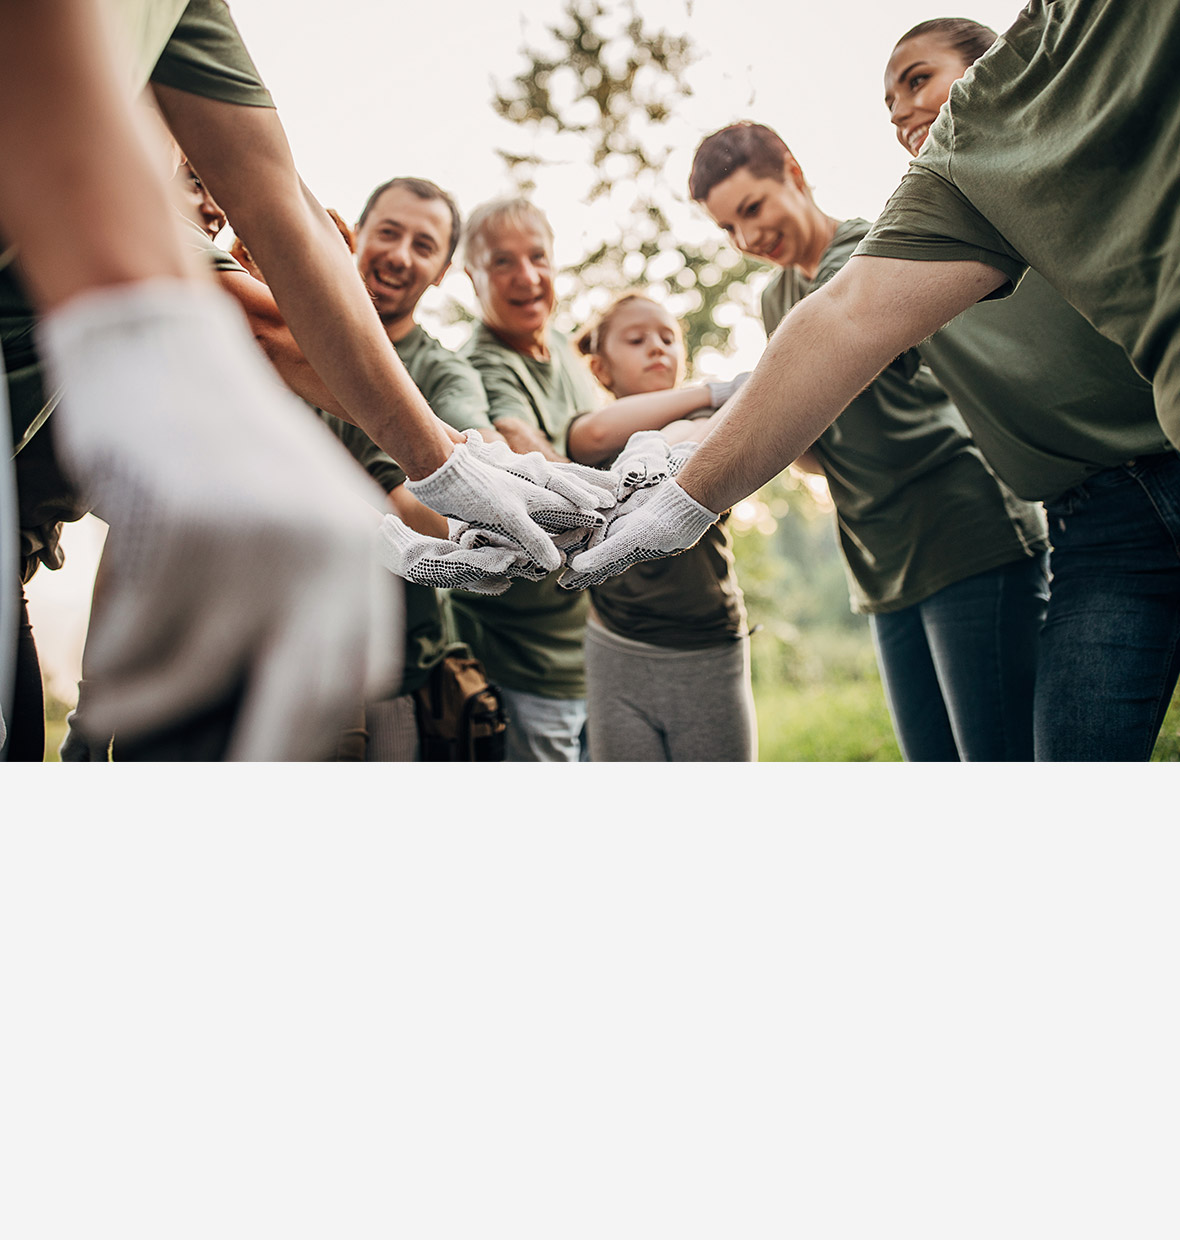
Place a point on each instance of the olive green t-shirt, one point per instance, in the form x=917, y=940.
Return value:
x=1048, y=399
x=205, y=56
x=917, y=506
x=1057, y=150
x=531, y=637
x=686, y=602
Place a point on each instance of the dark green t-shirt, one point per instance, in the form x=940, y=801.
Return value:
x=206, y=56
x=1048, y=399
x=1057, y=150
x=688, y=601
x=918, y=508
x=531, y=637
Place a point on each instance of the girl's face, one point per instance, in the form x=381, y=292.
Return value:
x=918, y=80
x=641, y=350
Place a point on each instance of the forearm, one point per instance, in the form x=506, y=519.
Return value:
x=275, y=339
x=828, y=349
x=597, y=436
x=242, y=155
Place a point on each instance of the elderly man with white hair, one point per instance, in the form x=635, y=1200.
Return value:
x=531, y=637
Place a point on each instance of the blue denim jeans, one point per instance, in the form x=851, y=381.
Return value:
x=959, y=668
x=1110, y=648
x=542, y=729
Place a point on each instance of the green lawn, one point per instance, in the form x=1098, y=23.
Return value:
x=847, y=721
x=842, y=721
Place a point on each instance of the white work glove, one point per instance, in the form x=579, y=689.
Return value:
x=656, y=522
x=472, y=559
x=521, y=496
x=647, y=459
x=241, y=542
x=721, y=391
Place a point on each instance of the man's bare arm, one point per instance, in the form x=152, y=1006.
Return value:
x=274, y=337
x=828, y=349
x=242, y=154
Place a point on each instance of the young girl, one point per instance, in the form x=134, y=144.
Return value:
x=667, y=647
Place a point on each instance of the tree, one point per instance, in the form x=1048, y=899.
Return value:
x=600, y=97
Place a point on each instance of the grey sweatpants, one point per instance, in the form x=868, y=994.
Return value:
x=649, y=703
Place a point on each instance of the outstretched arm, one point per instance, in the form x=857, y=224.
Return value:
x=241, y=153
x=827, y=350
x=597, y=436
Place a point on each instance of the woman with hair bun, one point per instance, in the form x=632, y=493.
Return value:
x=1064, y=418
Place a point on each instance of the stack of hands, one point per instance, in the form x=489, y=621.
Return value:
x=521, y=516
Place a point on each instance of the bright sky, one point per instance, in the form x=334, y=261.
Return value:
x=382, y=89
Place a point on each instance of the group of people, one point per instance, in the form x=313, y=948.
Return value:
x=1007, y=494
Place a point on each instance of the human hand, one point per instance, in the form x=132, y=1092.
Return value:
x=723, y=390
x=654, y=522
x=522, y=497
x=471, y=559
x=177, y=432
x=647, y=459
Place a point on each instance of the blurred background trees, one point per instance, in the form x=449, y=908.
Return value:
x=598, y=91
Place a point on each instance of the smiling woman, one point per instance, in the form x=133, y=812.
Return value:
x=926, y=62
x=946, y=562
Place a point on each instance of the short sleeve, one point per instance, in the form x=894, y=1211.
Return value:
x=928, y=219
x=206, y=56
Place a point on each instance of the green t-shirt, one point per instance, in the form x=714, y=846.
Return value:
x=531, y=637
x=918, y=508
x=686, y=602
x=451, y=386
x=1048, y=399
x=1057, y=150
x=205, y=56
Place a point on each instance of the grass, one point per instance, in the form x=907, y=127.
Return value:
x=838, y=718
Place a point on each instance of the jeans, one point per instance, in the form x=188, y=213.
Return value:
x=1110, y=649
x=959, y=668
x=542, y=729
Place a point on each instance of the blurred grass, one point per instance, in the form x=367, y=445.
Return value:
x=818, y=699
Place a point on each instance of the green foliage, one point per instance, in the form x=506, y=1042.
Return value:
x=602, y=88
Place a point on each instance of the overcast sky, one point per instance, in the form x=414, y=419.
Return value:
x=382, y=89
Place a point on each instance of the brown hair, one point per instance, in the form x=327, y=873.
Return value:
x=970, y=39
x=590, y=339
x=742, y=145
x=428, y=192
